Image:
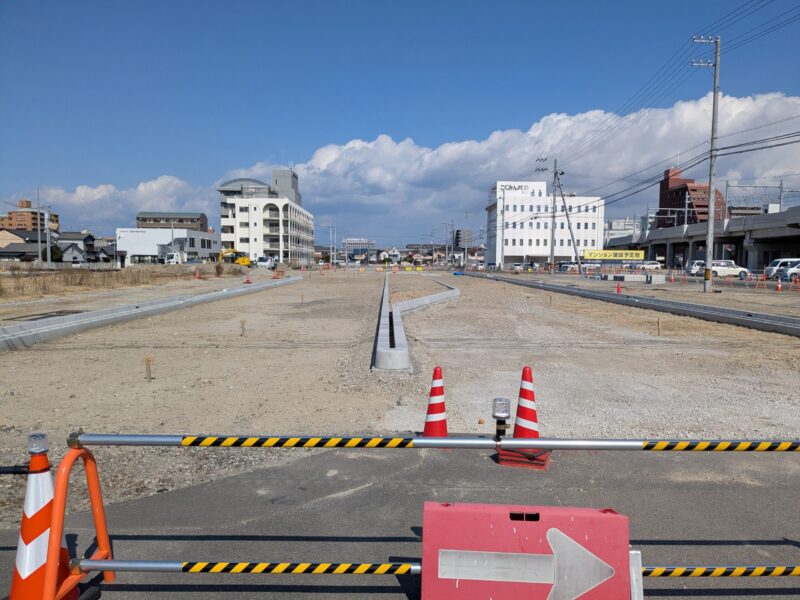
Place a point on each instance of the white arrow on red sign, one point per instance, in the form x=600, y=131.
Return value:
x=571, y=568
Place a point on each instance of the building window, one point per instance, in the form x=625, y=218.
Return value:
x=570, y=208
x=546, y=225
x=537, y=241
x=514, y=242
x=530, y=224
x=507, y=225
x=506, y=242
x=244, y=209
x=506, y=207
x=242, y=240
x=569, y=242
x=540, y=193
x=514, y=225
x=530, y=208
x=594, y=225
x=514, y=209
x=560, y=242
x=191, y=242
x=562, y=224
x=530, y=242
x=585, y=242
x=244, y=224
x=594, y=209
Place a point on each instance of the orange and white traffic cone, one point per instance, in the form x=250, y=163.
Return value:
x=34, y=534
x=779, y=287
x=619, y=288
x=436, y=418
x=672, y=277
x=247, y=279
x=526, y=425
x=197, y=274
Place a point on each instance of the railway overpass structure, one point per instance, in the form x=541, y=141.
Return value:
x=752, y=241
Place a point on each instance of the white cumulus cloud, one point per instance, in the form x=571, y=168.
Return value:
x=397, y=190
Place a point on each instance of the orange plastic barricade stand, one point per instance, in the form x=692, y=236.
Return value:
x=103, y=552
x=761, y=280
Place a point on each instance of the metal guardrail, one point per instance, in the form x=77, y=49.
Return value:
x=77, y=440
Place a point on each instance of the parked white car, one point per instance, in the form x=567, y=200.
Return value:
x=695, y=267
x=728, y=268
x=778, y=263
x=651, y=265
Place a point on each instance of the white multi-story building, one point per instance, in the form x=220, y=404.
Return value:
x=262, y=220
x=523, y=227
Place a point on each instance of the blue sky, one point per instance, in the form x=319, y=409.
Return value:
x=121, y=93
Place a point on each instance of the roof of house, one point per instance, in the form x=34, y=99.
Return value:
x=170, y=215
x=74, y=235
x=23, y=233
x=19, y=250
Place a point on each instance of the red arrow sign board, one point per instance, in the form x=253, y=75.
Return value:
x=480, y=551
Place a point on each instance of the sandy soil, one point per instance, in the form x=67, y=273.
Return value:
x=303, y=366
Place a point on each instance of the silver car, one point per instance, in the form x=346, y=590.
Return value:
x=778, y=263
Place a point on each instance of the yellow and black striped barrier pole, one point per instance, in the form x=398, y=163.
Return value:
x=392, y=568
x=266, y=568
x=750, y=571
x=465, y=443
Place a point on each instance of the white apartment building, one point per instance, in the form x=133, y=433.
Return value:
x=522, y=225
x=262, y=220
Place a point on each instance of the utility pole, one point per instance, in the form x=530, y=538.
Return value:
x=502, y=229
x=465, y=242
x=47, y=231
x=780, y=197
x=38, y=230
x=712, y=169
x=553, y=219
x=569, y=223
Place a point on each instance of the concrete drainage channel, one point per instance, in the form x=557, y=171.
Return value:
x=25, y=335
x=761, y=321
x=391, y=347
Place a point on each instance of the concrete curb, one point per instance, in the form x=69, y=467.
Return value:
x=25, y=335
x=391, y=345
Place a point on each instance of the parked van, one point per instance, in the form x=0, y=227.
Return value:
x=778, y=263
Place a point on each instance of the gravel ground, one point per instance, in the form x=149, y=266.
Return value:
x=303, y=367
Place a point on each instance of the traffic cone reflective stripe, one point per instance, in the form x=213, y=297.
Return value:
x=436, y=417
x=29, y=566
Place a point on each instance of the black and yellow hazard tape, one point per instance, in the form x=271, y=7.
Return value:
x=721, y=446
x=296, y=442
x=753, y=571
x=284, y=568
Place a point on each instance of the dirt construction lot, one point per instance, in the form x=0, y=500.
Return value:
x=303, y=366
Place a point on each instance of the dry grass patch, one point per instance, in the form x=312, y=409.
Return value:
x=20, y=283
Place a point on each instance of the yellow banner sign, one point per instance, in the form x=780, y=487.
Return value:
x=613, y=254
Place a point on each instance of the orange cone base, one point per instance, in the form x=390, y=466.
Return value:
x=531, y=459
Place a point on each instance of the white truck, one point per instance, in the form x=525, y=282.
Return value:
x=175, y=258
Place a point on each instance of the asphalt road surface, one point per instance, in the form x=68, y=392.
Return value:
x=366, y=506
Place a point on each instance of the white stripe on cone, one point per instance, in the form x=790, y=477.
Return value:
x=527, y=403
x=527, y=424
x=436, y=417
x=437, y=383
x=526, y=385
x=30, y=557
x=38, y=493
